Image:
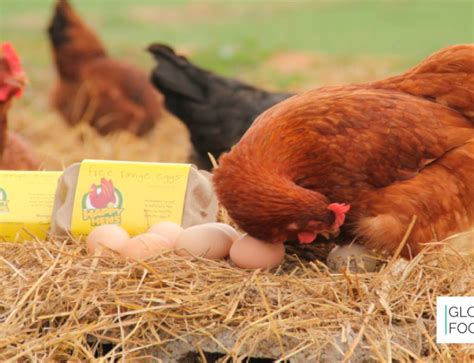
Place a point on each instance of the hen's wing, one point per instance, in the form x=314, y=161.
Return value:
x=339, y=142
x=441, y=196
x=120, y=97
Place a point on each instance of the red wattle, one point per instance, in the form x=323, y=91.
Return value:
x=306, y=237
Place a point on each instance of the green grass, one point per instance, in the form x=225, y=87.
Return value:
x=229, y=36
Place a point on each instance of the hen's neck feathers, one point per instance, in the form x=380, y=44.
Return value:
x=73, y=42
x=268, y=201
x=3, y=125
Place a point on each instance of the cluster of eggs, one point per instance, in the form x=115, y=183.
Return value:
x=211, y=240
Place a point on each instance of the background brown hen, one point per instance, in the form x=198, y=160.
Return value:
x=93, y=88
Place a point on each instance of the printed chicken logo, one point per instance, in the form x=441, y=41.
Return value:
x=3, y=201
x=102, y=204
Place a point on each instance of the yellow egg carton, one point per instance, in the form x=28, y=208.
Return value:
x=26, y=204
x=134, y=195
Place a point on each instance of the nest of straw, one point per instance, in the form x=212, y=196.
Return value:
x=58, y=303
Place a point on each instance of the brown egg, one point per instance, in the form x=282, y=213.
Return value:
x=144, y=246
x=205, y=240
x=105, y=237
x=170, y=230
x=251, y=253
x=228, y=229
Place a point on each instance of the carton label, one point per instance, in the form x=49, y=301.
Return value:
x=26, y=204
x=131, y=194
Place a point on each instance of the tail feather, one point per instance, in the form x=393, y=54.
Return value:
x=188, y=88
x=176, y=74
x=72, y=41
x=445, y=77
x=216, y=110
x=454, y=59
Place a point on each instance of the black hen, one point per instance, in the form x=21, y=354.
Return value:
x=216, y=110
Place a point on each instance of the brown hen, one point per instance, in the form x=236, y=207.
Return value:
x=15, y=154
x=302, y=162
x=93, y=88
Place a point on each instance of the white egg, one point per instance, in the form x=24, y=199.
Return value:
x=251, y=253
x=144, y=246
x=170, y=230
x=107, y=237
x=205, y=240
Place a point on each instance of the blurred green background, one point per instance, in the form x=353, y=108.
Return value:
x=235, y=37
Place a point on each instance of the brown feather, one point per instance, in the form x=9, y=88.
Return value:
x=4, y=106
x=18, y=154
x=441, y=196
x=15, y=154
x=445, y=77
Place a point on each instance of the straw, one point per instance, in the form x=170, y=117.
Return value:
x=58, y=303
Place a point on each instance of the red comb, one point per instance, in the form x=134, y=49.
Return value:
x=11, y=57
x=340, y=210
